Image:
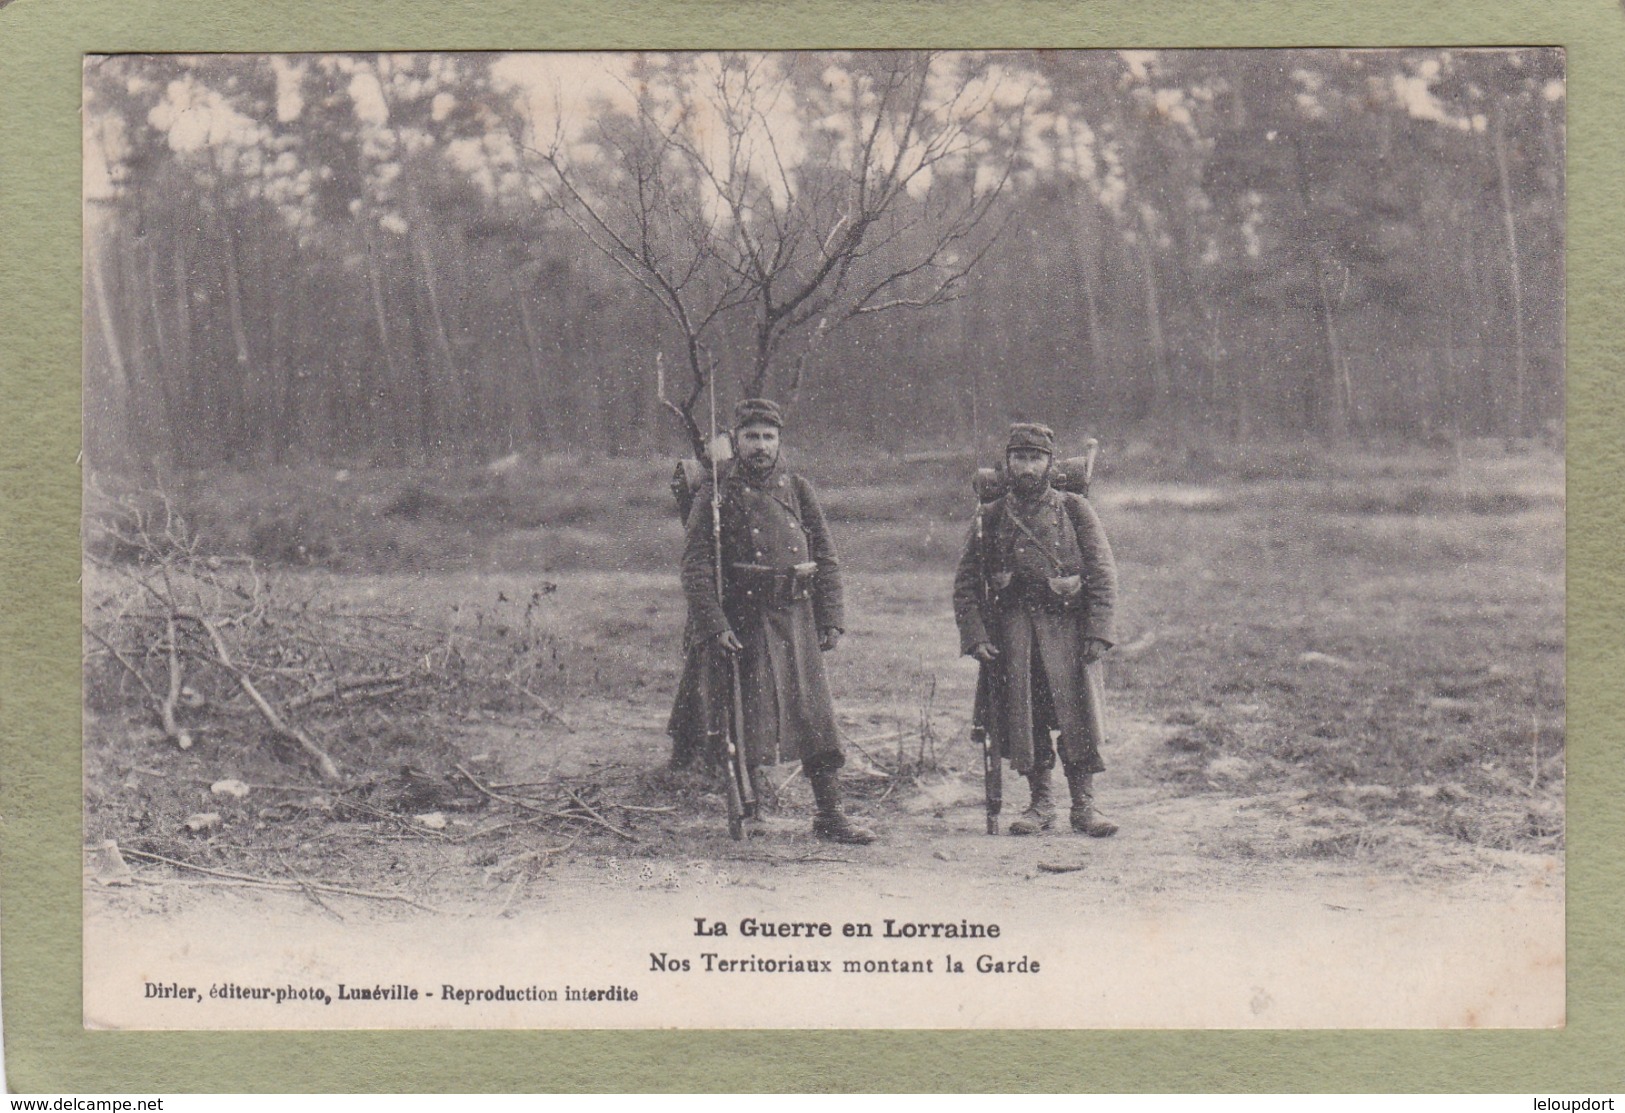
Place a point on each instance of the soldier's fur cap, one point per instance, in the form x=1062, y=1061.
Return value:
x=752, y=411
x=1025, y=434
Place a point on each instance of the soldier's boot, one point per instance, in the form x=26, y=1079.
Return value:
x=1084, y=820
x=1039, y=815
x=761, y=786
x=831, y=822
x=751, y=821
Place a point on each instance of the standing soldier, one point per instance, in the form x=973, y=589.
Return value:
x=1033, y=598
x=781, y=609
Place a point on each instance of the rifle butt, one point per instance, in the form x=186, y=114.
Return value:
x=740, y=794
x=982, y=738
x=739, y=766
x=992, y=777
x=736, y=804
x=736, y=813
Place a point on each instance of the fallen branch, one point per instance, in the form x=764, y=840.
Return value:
x=530, y=856
x=371, y=686
x=212, y=883
x=513, y=891
x=514, y=801
x=324, y=763
x=405, y=823
x=869, y=767
x=784, y=784
x=589, y=810
x=486, y=832
x=551, y=711
x=889, y=736
x=269, y=787
x=165, y=719
x=497, y=796
x=276, y=883
x=315, y=898
x=166, y=709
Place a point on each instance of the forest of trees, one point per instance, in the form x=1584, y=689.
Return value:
x=410, y=258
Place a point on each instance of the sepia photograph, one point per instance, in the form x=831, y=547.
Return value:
x=1058, y=539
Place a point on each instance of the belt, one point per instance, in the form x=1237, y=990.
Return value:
x=1050, y=594
x=771, y=586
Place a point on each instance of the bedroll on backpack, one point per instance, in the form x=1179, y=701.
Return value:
x=1070, y=474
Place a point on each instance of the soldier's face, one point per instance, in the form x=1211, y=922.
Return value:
x=757, y=445
x=1028, y=469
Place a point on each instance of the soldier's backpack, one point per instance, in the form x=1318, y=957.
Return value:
x=1074, y=474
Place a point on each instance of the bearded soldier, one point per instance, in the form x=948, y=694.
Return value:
x=1033, y=598
x=781, y=609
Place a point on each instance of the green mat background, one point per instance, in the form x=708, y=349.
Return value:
x=41, y=44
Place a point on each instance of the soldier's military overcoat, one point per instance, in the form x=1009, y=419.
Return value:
x=781, y=586
x=1003, y=595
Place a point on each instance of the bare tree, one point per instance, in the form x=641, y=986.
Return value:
x=787, y=193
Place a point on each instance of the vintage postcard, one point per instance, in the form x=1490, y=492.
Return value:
x=883, y=539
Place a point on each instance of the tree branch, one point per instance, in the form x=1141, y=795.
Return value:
x=280, y=726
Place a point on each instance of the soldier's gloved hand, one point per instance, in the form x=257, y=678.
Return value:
x=829, y=637
x=1093, y=648
x=984, y=652
x=730, y=642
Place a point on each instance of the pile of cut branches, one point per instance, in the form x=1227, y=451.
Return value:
x=196, y=642
x=288, y=837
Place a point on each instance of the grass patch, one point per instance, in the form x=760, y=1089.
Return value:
x=1385, y=630
x=1412, y=501
x=1399, y=650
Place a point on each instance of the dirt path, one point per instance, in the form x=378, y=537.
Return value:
x=1209, y=909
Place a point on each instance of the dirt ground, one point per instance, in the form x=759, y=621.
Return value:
x=1215, y=909
x=1327, y=818
x=1222, y=907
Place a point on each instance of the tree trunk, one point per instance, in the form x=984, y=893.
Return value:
x=428, y=410
x=426, y=266
x=1520, y=365
x=123, y=422
x=761, y=368
x=535, y=382
x=1086, y=251
x=234, y=294
x=284, y=419
x=167, y=365
x=234, y=426
x=1160, y=392
x=1471, y=387
x=1085, y=245
x=149, y=380
x=386, y=345
x=1340, y=392
x=1334, y=419
x=966, y=313
x=183, y=306
x=104, y=318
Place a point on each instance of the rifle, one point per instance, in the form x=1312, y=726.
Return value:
x=741, y=799
x=992, y=762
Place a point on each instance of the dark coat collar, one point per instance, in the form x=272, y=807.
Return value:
x=765, y=481
x=1047, y=497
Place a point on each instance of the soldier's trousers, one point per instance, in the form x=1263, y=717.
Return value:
x=1039, y=644
x=788, y=711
